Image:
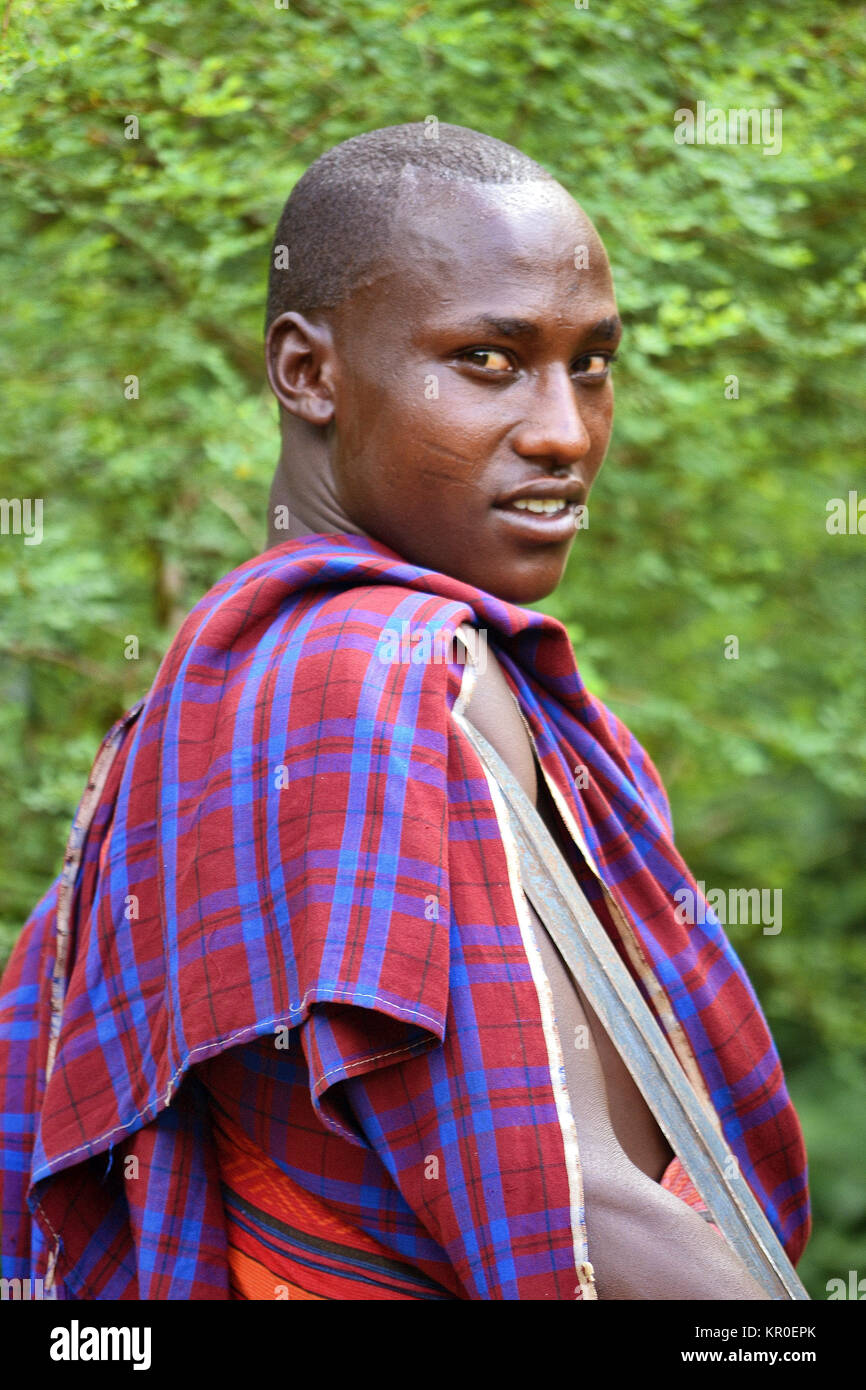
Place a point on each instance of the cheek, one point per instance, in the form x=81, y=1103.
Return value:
x=598, y=417
x=407, y=445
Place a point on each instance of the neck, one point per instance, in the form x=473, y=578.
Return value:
x=302, y=499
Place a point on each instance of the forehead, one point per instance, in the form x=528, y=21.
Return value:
x=518, y=250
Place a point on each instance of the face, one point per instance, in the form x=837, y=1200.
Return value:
x=471, y=384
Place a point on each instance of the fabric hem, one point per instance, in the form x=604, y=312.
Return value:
x=553, y=1042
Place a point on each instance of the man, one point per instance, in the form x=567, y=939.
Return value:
x=287, y=1026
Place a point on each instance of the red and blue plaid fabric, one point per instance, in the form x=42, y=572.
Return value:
x=287, y=892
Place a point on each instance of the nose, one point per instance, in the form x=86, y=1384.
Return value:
x=554, y=432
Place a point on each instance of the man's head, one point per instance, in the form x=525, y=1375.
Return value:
x=439, y=345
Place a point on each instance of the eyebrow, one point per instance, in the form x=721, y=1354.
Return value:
x=507, y=328
x=606, y=328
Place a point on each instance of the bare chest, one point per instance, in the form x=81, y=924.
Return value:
x=580, y=1030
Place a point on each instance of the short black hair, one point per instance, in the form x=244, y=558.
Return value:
x=336, y=221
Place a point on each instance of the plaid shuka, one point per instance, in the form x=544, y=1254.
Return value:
x=287, y=886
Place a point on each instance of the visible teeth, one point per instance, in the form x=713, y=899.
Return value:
x=540, y=504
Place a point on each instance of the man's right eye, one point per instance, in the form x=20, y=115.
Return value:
x=492, y=359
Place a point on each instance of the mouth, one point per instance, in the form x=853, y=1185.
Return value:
x=541, y=506
x=545, y=518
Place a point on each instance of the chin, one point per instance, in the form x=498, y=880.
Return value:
x=536, y=578
x=522, y=597
x=515, y=579
x=522, y=589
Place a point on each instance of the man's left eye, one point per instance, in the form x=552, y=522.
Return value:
x=593, y=364
x=496, y=361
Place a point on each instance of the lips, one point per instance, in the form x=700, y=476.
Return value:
x=547, y=497
x=546, y=510
x=534, y=527
x=540, y=506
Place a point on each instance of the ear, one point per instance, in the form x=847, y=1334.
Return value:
x=300, y=361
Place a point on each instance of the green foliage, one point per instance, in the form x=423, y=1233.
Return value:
x=147, y=257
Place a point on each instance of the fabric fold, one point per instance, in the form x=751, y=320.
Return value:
x=274, y=850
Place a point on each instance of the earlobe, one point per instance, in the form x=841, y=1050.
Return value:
x=298, y=356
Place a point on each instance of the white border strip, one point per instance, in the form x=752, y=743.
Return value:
x=577, y=1206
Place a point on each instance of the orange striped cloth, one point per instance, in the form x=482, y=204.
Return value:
x=284, y=1243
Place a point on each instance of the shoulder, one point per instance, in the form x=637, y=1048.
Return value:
x=381, y=638
x=281, y=615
